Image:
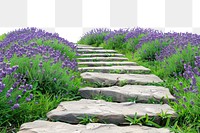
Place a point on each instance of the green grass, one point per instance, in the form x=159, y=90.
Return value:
x=148, y=50
x=96, y=39
x=33, y=110
x=2, y=37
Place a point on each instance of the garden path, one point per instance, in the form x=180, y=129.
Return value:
x=130, y=90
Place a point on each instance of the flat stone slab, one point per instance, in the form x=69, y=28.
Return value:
x=102, y=55
x=110, y=79
x=103, y=59
x=116, y=69
x=108, y=63
x=83, y=45
x=72, y=111
x=41, y=126
x=95, y=51
x=92, y=48
x=122, y=94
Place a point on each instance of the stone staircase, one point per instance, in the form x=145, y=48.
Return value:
x=120, y=80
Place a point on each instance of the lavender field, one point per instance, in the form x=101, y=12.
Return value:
x=174, y=57
x=37, y=70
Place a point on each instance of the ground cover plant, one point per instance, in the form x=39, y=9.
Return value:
x=95, y=36
x=174, y=57
x=38, y=70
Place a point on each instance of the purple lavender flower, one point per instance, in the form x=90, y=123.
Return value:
x=8, y=95
x=184, y=106
x=28, y=99
x=10, y=102
x=192, y=102
x=15, y=106
x=40, y=64
x=31, y=96
x=24, y=91
x=184, y=99
x=31, y=64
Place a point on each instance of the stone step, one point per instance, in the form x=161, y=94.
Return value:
x=139, y=93
x=82, y=51
x=41, y=126
x=71, y=111
x=103, y=59
x=116, y=69
x=92, y=48
x=102, y=55
x=107, y=63
x=83, y=45
x=110, y=79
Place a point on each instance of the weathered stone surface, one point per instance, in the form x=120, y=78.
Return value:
x=116, y=69
x=107, y=63
x=115, y=79
x=123, y=94
x=95, y=51
x=103, y=59
x=93, y=48
x=41, y=126
x=83, y=45
x=102, y=55
x=108, y=112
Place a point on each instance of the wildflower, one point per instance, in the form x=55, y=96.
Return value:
x=184, y=106
x=31, y=96
x=18, y=97
x=10, y=90
x=24, y=91
x=185, y=89
x=28, y=99
x=72, y=77
x=30, y=87
x=194, y=82
x=40, y=64
x=192, y=102
x=10, y=102
x=15, y=106
x=176, y=89
x=184, y=99
x=8, y=95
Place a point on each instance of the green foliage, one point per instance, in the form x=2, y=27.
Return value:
x=88, y=119
x=93, y=39
x=155, y=101
x=175, y=63
x=48, y=79
x=116, y=43
x=144, y=120
x=2, y=37
x=10, y=120
x=51, y=85
x=187, y=104
x=132, y=42
x=102, y=97
x=149, y=50
x=133, y=99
